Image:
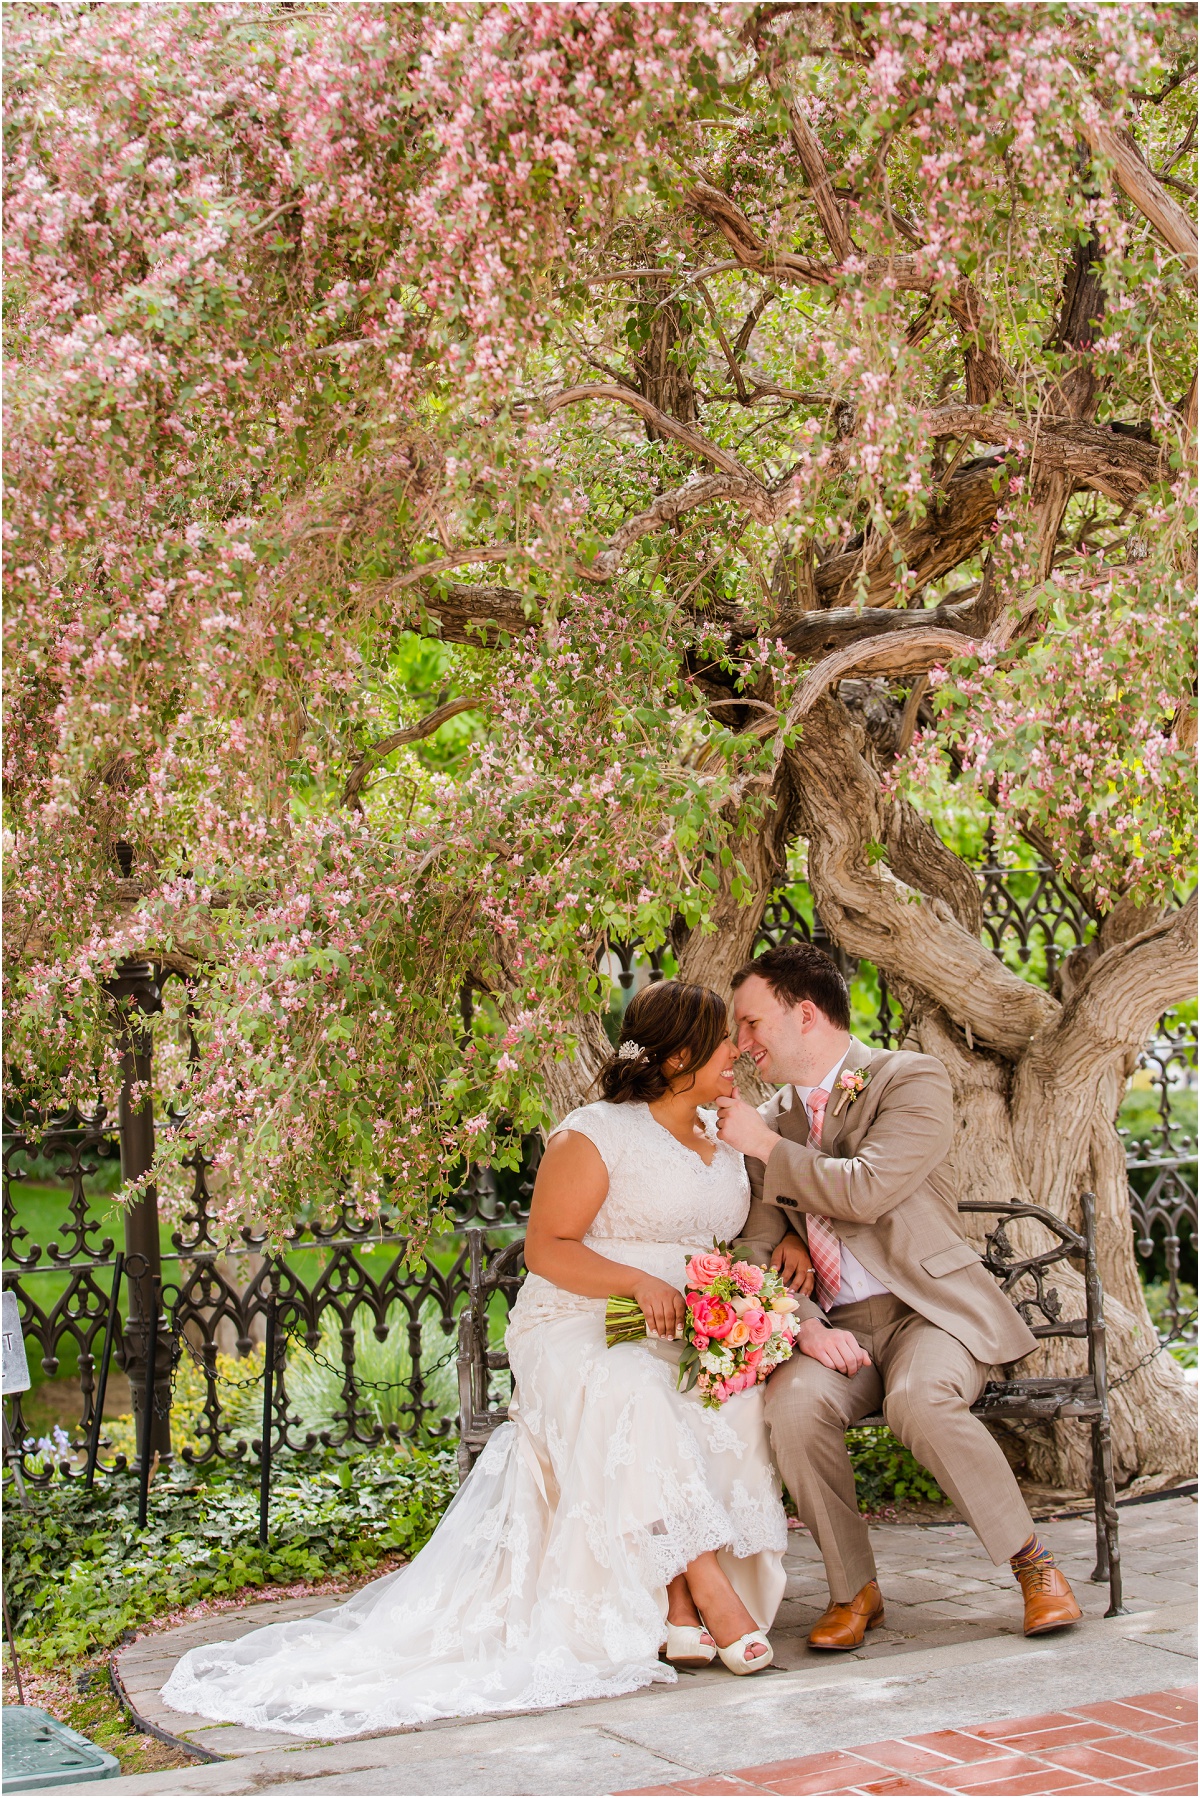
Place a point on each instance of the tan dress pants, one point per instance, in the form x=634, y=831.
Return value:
x=925, y=1383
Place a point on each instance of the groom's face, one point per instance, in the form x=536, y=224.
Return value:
x=777, y=1036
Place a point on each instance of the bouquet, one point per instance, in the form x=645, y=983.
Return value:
x=738, y=1330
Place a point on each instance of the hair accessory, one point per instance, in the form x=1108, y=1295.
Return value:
x=630, y=1051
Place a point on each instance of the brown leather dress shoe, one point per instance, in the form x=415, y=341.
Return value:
x=1049, y=1600
x=844, y=1625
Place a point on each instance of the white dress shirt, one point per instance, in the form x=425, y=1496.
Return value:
x=857, y=1283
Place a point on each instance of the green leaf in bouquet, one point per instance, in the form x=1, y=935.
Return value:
x=689, y=1368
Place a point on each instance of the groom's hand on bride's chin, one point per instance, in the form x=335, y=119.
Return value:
x=743, y=1129
x=837, y=1349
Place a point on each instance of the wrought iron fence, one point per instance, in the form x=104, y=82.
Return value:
x=342, y=1288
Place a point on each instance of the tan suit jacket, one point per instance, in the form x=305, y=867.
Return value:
x=882, y=1176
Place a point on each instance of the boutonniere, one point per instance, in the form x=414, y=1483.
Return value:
x=849, y=1086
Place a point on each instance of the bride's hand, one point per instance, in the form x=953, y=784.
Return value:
x=661, y=1305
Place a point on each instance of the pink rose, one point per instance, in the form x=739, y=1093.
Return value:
x=701, y=1343
x=749, y=1278
x=702, y=1270
x=758, y=1325
x=721, y=1391
x=753, y=1359
x=710, y=1317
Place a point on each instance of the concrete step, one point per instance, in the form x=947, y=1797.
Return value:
x=710, y=1722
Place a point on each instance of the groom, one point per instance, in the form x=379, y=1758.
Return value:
x=851, y=1158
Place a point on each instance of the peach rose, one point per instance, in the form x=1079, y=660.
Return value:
x=748, y=1277
x=738, y=1333
x=758, y=1326
x=702, y=1270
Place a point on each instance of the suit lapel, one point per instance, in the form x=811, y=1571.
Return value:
x=858, y=1055
x=791, y=1119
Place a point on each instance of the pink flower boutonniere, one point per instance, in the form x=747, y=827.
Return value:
x=849, y=1086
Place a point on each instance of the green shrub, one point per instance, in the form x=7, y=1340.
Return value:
x=886, y=1473
x=79, y=1572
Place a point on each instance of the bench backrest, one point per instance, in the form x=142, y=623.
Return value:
x=496, y=1273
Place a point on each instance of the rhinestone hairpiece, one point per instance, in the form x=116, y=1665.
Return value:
x=630, y=1051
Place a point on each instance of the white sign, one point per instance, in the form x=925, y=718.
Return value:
x=13, y=1363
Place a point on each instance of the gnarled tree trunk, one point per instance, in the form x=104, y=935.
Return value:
x=1037, y=1082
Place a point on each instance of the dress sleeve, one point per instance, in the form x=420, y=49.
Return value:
x=594, y=1122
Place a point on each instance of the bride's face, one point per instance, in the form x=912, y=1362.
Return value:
x=714, y=1079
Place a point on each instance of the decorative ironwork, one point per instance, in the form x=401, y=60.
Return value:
x=214, y=1297
x=1161, y=1159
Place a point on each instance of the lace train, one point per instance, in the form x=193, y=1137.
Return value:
x=545, y=1581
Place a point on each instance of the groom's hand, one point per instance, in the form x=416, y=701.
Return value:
x=832, y=1348
x=743, y=1129
x=794, y=1264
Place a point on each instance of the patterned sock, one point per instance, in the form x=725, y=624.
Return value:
x=1033, y=1553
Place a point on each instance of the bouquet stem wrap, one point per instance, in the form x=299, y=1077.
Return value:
x=624, y=1322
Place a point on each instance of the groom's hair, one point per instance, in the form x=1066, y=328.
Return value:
x=797, y=971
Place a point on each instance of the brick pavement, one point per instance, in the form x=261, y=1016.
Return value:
x=1145, y=1744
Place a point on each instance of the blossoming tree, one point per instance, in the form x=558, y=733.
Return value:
x=489, y=480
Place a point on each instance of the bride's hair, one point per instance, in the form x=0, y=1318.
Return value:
x=669, y=1018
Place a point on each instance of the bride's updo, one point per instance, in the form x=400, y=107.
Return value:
x=670, y=1018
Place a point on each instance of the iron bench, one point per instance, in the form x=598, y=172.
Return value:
x=498, y=1271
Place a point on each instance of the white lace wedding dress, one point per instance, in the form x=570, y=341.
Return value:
x=545, y=1581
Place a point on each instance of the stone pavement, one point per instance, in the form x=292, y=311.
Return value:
x=1145, y=1744
x=951, y=1655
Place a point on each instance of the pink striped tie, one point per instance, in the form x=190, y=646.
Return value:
x=824, y=1245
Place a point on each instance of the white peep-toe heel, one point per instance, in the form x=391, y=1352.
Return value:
x=734, y=1656
x=684, y=1647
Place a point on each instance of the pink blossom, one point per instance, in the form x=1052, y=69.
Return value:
x=703, y=1269
x=748, y=1277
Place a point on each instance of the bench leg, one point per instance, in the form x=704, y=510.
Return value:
x=1104, y=1491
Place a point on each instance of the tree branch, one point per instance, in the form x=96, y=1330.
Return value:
x=1139, y=184
x=869, y=912
x=1093, y=1040
x=662, y=422
x=946, y=536
x=807, y=146
x=1110, y=462
x=751, y=252
x=414, y=733
x=915, y=653
x=480, y=614
x=484, y=552
x=1115, y=1006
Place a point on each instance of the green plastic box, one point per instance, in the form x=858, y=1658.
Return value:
x=40, y=1752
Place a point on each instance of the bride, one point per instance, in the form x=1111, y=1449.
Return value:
x=612, y=1518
